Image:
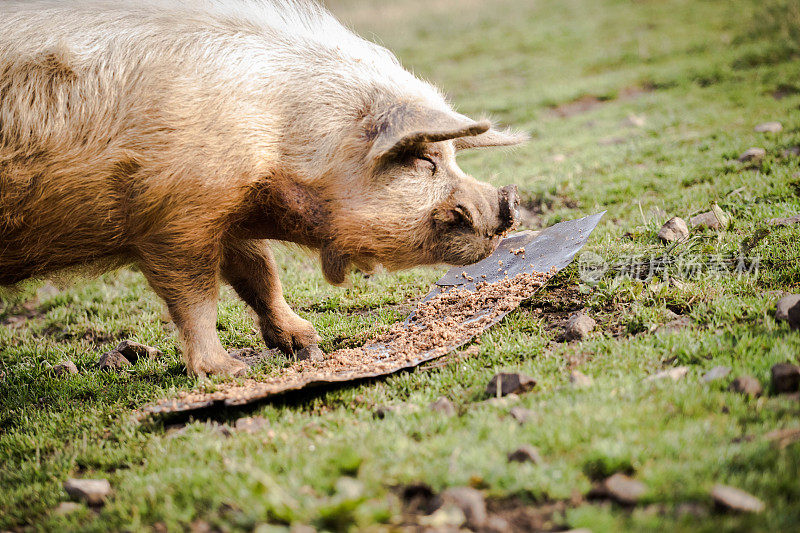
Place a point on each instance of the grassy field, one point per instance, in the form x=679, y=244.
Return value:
x=640, y=108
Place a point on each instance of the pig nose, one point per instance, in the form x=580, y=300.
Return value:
x=509, y=208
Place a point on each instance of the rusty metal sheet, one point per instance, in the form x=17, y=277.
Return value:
x=547, y=251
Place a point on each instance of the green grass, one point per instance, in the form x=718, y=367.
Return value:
x=702, y=74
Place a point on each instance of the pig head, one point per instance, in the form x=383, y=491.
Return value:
x=402, y=200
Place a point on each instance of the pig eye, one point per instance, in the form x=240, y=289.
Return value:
x=428, y=162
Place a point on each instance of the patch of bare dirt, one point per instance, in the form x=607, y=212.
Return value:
x=589, y=102
x=579, y=106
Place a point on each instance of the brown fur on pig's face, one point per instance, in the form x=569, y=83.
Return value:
x=408, y=203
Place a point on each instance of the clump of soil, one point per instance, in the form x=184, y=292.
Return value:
x=446, y=321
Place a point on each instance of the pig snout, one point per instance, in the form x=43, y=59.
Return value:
x=508, y=208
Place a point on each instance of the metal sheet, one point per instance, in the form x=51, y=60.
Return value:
x=549, y=251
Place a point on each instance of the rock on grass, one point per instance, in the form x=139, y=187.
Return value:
x=471, y=503
x=785, y=378
x=113, y=360
x=769, y=127
x=747, y=385
x=716, y=219
x=443, y=406
x=794, y=316
x=525, y=454
x=90, y=491
x=64, y=368
x=133, y=351
x=784, y=304
x=620, y=488
x=65, y=508
x=716, y=373
x=752, y=155
x=311, y=352
x=675, y=229
x=578, y=326
x=784, y=221
x=506, y=383
x=736, y=499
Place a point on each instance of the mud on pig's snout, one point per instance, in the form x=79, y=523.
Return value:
x=508, y=212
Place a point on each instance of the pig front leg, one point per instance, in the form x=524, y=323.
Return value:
x=248, y=265
x=186, y=279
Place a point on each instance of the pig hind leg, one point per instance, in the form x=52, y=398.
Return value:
x=248, y=265
x=186, y=279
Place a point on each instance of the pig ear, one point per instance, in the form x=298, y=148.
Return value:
x=493, y=137
x=403, y=128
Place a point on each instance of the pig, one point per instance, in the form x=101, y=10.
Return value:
x=183, y=136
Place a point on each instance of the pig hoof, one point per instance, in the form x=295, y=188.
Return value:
x=224, y=366
x=294, y=333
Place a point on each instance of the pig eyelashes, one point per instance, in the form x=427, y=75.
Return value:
x=430, y=163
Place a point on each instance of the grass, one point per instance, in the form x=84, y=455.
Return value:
x=701, y=74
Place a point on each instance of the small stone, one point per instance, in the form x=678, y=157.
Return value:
x=443, y=406
x=497, y=524
x=578, y=326
x=506, y=383
x=792, y=151
x=65, y=508
x=251, y=424
x=714, y=219
x=113, y=360
x=784, y=304
x=794, y=316
x=769, y=127
x=133, y=351
x=785, y=378
x=716, y=373
x=311, y=352
x=752, y=154
x=784, y=221
x=201, y=526
x=579, y=380
x=445, y=518
x=90, y=491
x=471, y=503
x=621, y=488
x=736, y=499
x=674, y=374
x=525, y=454
x=559, y=158
x=64, y=368
x=349, y=488
x=674, y=229
x=746, y=385
x=520, y=414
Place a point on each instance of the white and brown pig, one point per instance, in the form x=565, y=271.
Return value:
x=182, y=136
